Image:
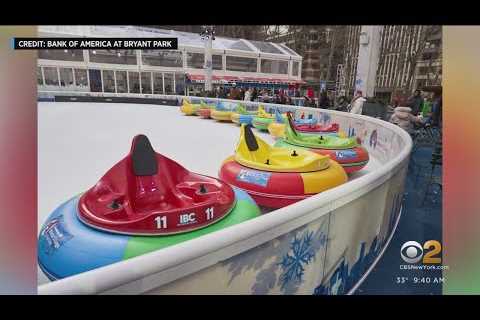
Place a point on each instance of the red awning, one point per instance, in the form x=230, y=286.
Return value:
x=226, y=79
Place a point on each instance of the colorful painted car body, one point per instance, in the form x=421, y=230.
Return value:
x=277, y=177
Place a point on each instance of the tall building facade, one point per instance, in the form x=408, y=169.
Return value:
x=347, y=71
x=321, y=48
x=410, y=58
x=429, y=65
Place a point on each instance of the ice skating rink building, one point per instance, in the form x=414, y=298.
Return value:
x=156, y=72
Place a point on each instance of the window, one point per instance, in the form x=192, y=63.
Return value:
x=147, y=82
x=195, y=60
x=266, y=47
x=179, y=83
x=422, y=70
x=435, y=43
x=431, y=56
x=81, y=78
x=122, y=86
x=65, y=55
x=51, y=76
x=95, y=80
x=157, y=83
x=217, y=62
x=295, y=68
x=168, y=78
x=113, y=56
x=240, y=45
x=108, y=81
x=274, y=66
x=241, y=64
x=162, y=58
x=421, y=83
x=133, y=81
x=288, y=49
x=429, y=70
x=66, y=77
x=39, y=76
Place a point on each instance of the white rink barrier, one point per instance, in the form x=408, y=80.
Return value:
x=322, y=245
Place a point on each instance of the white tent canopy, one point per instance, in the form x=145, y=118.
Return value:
x=185, y=39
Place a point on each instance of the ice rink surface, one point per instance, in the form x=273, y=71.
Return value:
x=79, y=142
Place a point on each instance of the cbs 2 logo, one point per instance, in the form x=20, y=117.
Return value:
x=413, y=252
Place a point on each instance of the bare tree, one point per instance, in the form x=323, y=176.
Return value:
x=249, y=32
x=350, y=54
x=336, y=51
x=332, y=50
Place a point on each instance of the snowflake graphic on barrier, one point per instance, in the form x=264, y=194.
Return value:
x=293, y=265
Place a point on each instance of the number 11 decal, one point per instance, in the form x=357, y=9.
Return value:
x=209, y=213
x=161, y=222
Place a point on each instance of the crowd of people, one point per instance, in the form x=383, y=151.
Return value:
x=278, y=96
x=420, y=109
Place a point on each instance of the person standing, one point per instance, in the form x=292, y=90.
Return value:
x=357, y=103
x=234, y=93
x=310, y=93
x=395, y=102
x=426, y=107
x=437, y=110
x=309, y=102
x=254, y=94
x=281, y=97
x=323, y=101
x=264, y=96
x=415, y=102
x=241, y=96
x=403, y=117
x=248, y=95
x=341, y=104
